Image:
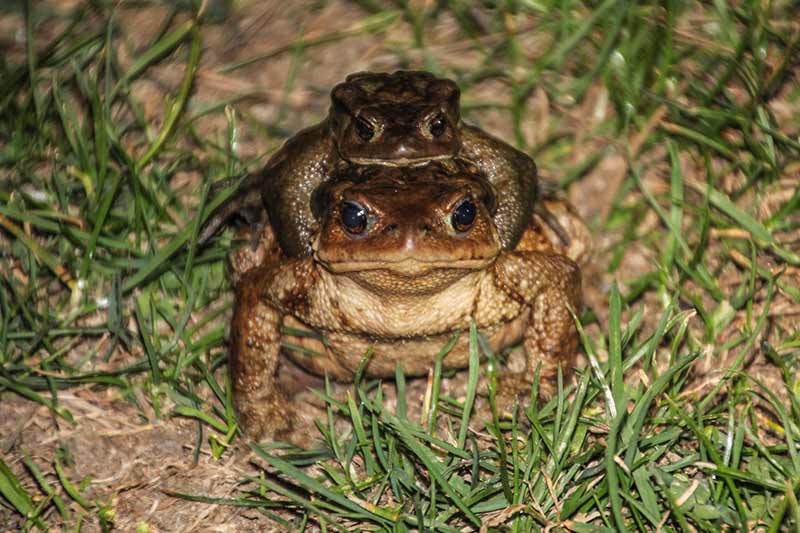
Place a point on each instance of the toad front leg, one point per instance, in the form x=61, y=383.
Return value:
x=255, y=345
x=550, y=286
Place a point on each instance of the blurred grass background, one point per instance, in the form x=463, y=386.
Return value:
x=672, y=126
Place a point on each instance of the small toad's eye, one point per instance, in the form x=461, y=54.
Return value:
x=438, y=125
x=463, y=215
x=364, y=129
x=353, y=217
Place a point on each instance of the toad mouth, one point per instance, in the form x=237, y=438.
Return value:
x=400, y=161
x=408, y=266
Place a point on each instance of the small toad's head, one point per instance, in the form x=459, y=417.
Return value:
x=398, y=119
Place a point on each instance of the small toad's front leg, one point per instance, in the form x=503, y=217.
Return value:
x=255, y=344
x=550, y=285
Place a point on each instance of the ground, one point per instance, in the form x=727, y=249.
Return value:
x=672, y=128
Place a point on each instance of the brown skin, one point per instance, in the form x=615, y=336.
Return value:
x=403, y=118
x=402, y=284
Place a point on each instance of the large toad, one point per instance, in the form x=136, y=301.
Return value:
x=403, y=118
x=404, y=258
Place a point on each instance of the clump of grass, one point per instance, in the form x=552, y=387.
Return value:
x=97, y=221
x=639, y=461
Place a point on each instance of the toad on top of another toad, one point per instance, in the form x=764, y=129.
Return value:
x=395, y=119
x=403, y=258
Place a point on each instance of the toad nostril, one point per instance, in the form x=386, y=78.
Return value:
x=390, y=229
x=426, y=229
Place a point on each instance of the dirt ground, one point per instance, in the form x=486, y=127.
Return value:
x=132, y=458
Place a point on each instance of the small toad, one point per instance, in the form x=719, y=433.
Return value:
x=404, y=257
x=404, y=118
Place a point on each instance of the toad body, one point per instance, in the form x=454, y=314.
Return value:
x=404, y=258
x=405, y=118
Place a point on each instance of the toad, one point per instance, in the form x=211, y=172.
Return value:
x=403, y=259
x=404, y=118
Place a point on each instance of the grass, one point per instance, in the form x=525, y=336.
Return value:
x=686, y=416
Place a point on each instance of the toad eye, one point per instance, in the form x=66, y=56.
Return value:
x=353, y=217
x=438, y=125
x=364, y=129
x=463, y=215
